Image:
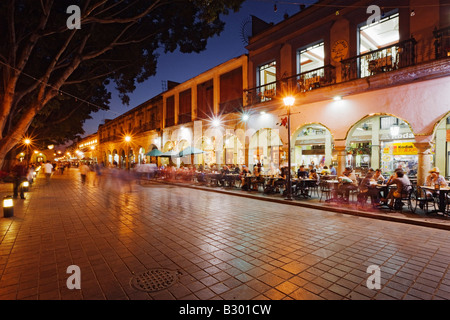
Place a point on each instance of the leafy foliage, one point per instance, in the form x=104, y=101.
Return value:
x=40, y=57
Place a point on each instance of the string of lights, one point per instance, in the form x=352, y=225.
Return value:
x=59, y=90
x=315, y=4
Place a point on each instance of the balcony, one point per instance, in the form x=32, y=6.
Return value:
x=184, y=118
x=442, y=43
x=302, y=82
x=385, y=59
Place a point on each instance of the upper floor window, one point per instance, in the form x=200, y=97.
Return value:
x=379, y=34
x=265, y=78
x=310, y=58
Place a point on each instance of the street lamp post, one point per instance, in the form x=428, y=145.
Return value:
x=27, y=142
x=127, y=140
x=289, y=102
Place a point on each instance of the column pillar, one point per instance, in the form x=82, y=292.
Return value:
x=424, y=161
x=341, y=159
x=375, y=152
x=328, y=150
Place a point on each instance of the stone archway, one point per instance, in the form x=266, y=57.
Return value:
x=382, y=141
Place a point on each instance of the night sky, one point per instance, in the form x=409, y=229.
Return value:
x=180, y=67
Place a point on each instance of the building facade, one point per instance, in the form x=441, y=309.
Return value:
x=371, y=91
x=368, y=92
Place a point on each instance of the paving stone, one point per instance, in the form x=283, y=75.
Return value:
x=225, y=246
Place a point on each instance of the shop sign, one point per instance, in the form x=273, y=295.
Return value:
x=401, y=148
x=403, y=136
x=448, y=135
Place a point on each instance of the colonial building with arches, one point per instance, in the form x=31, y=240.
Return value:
x=368, y=94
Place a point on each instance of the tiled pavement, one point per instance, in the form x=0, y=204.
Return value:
x=225, y=247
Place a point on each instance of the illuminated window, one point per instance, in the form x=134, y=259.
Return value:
x=266, y=77
x=310, y=58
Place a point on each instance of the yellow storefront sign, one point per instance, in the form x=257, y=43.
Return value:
x=401, y=148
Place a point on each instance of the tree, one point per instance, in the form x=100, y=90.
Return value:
x=47, y=62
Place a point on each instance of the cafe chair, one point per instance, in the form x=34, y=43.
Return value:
x=406, y=197
x=325, y=190
x=423, y=201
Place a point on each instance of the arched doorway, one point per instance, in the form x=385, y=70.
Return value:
x=313, y=144
x=265, y=148
x=109, y=159
x=234, y=151
x=116, y=158
x=382, y=141
x=441, y=141
x=123, y=159
x=141, y=155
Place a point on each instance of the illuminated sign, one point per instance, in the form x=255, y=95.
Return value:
x=401, y=148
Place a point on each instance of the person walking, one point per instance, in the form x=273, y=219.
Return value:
x=84, y=169
x=19, y=174
x=48, y=170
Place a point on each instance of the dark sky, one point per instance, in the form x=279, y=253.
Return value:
x=180, y=67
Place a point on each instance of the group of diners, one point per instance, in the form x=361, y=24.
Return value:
x=391, y=191
x=383, y=191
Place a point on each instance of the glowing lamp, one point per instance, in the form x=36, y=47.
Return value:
x=8, y=207
x=289, y=101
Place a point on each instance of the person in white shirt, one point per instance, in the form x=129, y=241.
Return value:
x=84, y=169
x=48, y=169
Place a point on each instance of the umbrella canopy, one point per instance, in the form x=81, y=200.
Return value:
x=169, y=154
x=189, y=151
x=154, y=153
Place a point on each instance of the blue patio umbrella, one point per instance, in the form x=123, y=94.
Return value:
x=189, y=151
x=154, y=153
x=169, y=154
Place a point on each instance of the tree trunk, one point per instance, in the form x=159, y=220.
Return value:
x=15, y=136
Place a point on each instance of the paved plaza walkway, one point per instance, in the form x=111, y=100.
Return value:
x=207, y=246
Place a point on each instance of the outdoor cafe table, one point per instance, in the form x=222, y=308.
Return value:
x=213, y=178
x=333, y=186
x=443, y=192
x=302, y=186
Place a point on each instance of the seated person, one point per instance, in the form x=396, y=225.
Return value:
x=434, y=178
x=313, y=175
x=244, y=173
x=403, y=186
x=368, y=188
x=325, y=171
x=257, y=172
x=333, y=170
x=225, y=170
x=394, y=176
x=302, y=173
x=378, y=177
x=348, y=182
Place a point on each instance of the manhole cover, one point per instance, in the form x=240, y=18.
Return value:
x=155, y=280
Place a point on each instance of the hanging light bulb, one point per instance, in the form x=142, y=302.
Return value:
x=413, y=13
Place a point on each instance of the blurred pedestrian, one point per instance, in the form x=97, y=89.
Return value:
x=84, y=169
x=48, y=170
x=19, y=175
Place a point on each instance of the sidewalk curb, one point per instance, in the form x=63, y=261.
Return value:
x=317, y=207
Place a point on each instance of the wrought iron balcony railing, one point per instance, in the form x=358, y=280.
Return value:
x=389, y=58
x=301, y=82
x=442, y=42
